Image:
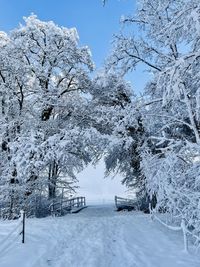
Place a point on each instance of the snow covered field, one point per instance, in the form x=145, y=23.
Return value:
x=96, y=237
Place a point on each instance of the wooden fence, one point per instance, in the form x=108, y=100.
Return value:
x=71, y=205
x=125, y=203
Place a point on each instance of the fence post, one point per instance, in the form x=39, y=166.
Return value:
x=183, y=226
x=116, y=201
x=52, y=208
x=23, y=225
x=61, y=203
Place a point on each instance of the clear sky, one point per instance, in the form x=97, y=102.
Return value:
x=96, y=25
x=98, y=189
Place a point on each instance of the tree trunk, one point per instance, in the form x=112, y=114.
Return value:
x=53, y=175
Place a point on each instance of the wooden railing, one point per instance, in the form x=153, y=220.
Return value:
x=70, y=205
x=125, y=203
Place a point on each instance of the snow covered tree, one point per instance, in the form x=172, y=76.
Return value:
x=117, y=114
x=166, y=42
x=168, y=46
x=44, y=77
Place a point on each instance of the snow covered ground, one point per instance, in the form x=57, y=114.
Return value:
x=96, y=237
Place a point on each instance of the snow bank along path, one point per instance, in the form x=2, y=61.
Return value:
x=97, y=237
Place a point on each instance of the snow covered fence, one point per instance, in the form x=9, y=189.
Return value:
x=71, y=205
x=14, y=234
x=182, y=227
x=125, y=203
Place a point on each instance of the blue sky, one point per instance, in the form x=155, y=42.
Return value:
x=95, y=23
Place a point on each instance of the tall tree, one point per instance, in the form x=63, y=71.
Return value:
x=44, y=77
x=167, y=44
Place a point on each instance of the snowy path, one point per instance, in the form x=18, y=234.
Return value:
x=98, y=237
